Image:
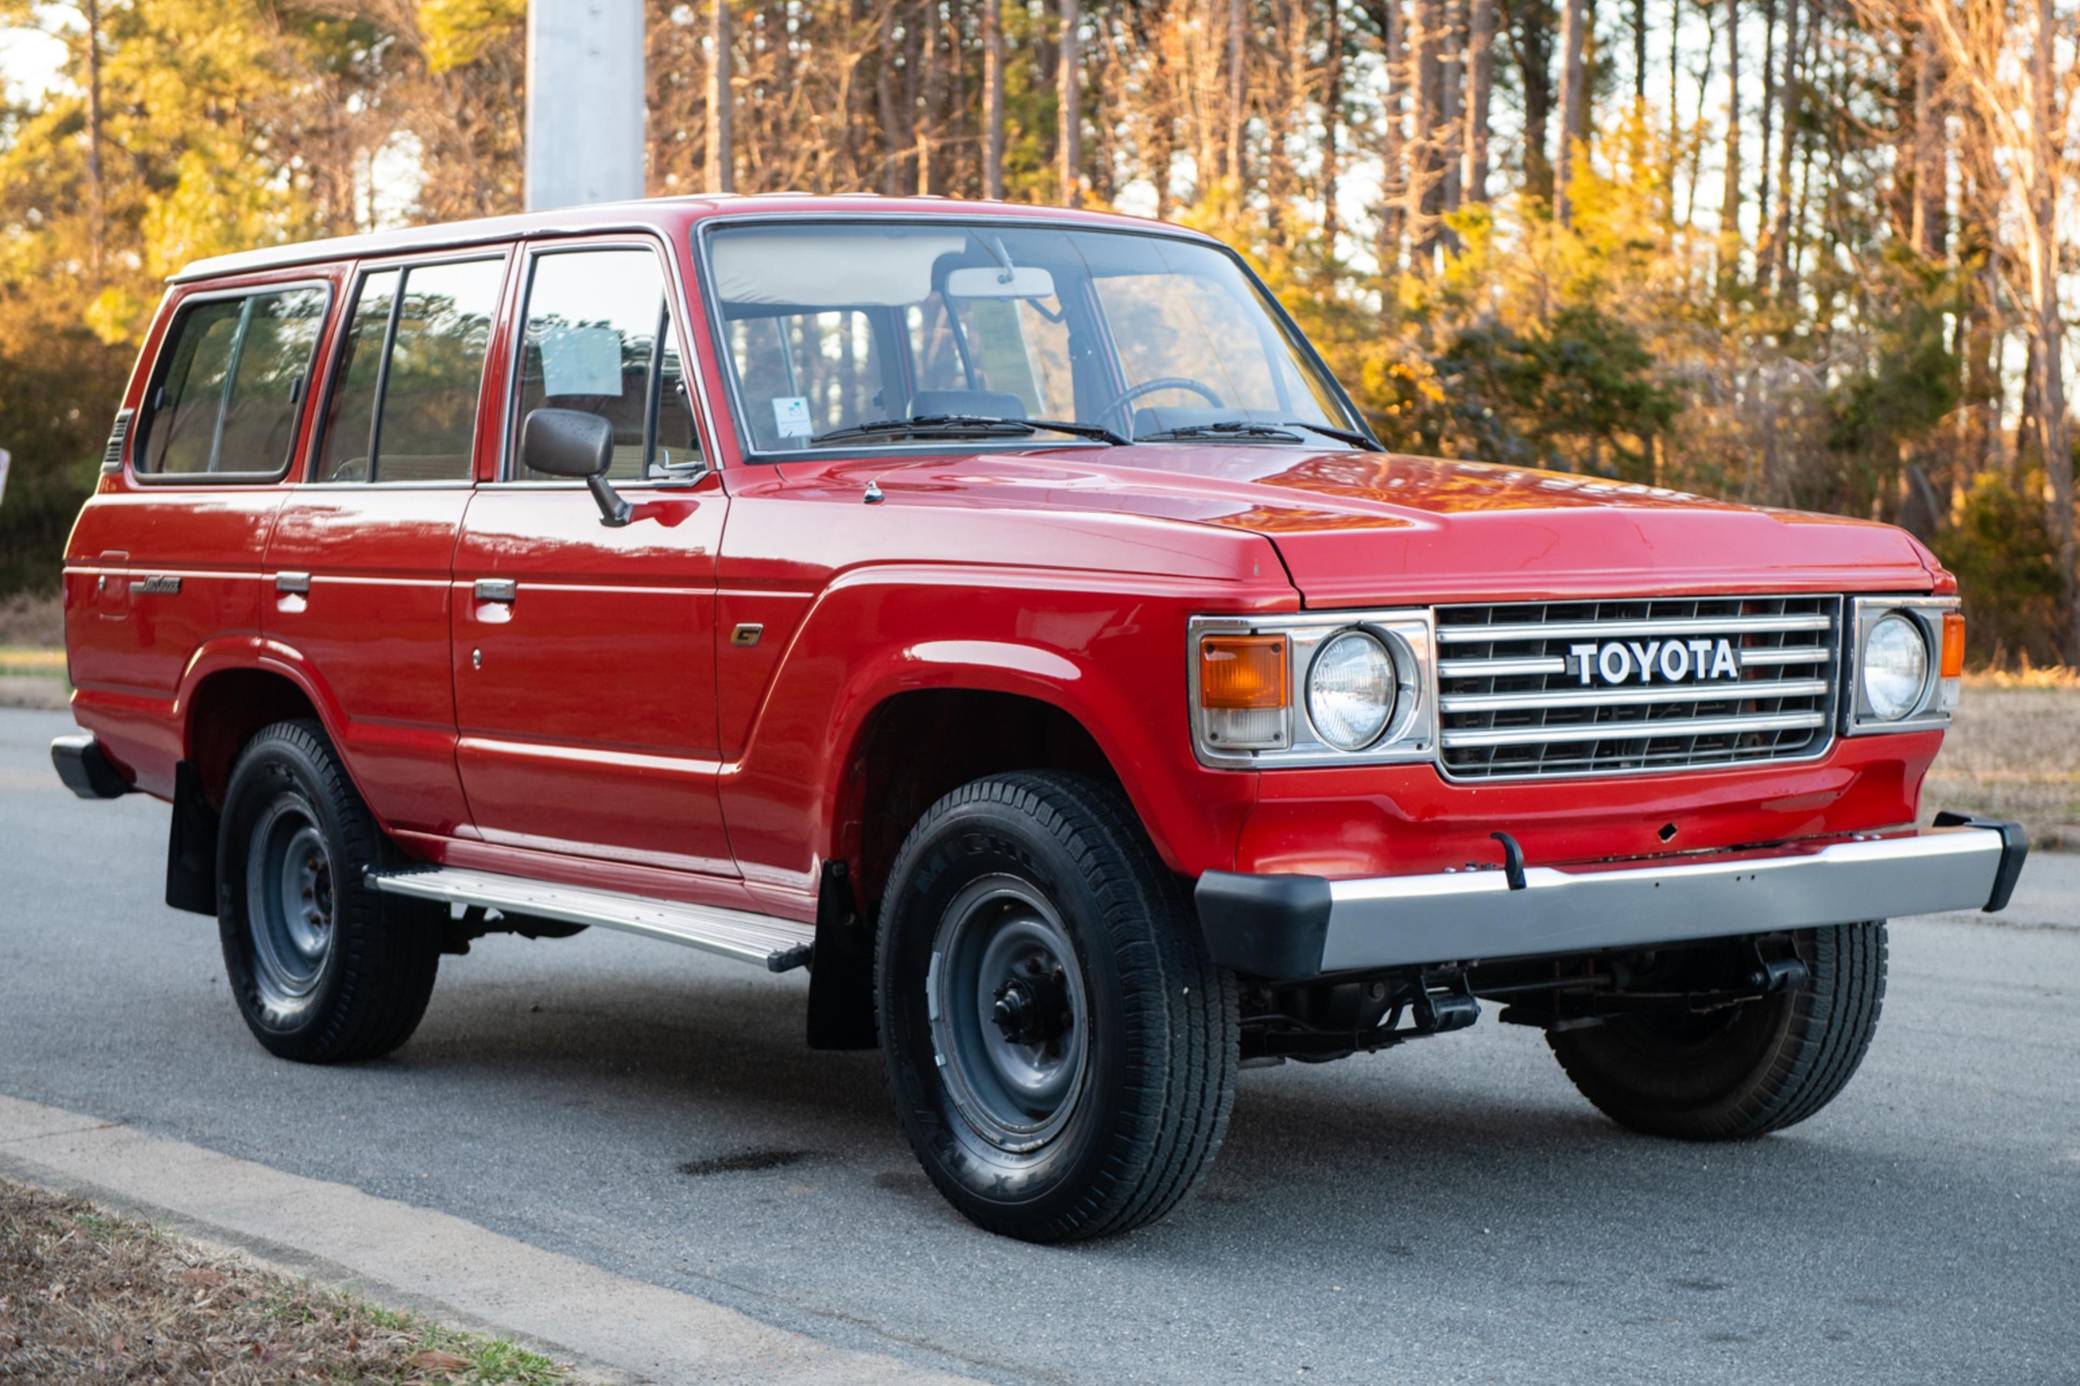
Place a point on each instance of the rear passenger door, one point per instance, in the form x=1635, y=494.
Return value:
x=585, y=655
x=363, y=547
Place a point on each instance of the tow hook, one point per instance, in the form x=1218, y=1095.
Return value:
x=1773, y=975
x=1453, y=1007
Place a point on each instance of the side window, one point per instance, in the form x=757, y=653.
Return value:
x=227, y=394
x=403, y=404
x=598, y=338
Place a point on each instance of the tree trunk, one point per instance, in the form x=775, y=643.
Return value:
x=1069, y=116
x=2049, y=329
x=1639, y=51
x=1574, y=100
x=992, y=99
x=1427, y=86
x=721, y=170
x=1393, y=147
x=1776, y=239
x=1451, y=130
x=1768, y=111
x=887, y=103
x=776, y=137
x=96, y=215
x=1480, y=85
x=1928, y=227
x=1675, y=76
x=931, y=99
x=1730, y=196
x=1332, y=119
x=1234, y=154
x=1533, y=42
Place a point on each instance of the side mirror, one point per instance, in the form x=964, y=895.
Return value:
x=573, y=443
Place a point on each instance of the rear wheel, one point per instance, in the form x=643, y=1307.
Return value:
x=1061, y=1051
x=324, y=968
x=1747, y=1070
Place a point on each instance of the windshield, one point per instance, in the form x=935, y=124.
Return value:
x=865, y=335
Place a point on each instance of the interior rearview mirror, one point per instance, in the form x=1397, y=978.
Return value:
x=993, y=281
x=572, y=443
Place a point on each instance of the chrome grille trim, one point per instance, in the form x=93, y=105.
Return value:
x=1511, y=707
x=1619, y=697
x=1611, y=630
x=1638, y=731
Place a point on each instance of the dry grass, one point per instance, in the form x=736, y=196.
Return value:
x=33, y=619
x=2056, y=676
x=2014, y=752
x=91, y=1298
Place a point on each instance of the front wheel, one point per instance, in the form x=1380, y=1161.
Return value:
x=323, y=967
x=1748, y=1070
x=1060, y=1049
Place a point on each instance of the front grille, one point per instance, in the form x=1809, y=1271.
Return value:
x=1512, y=702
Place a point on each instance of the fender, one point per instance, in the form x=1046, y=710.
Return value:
x=1105, y=649
x=378, y=756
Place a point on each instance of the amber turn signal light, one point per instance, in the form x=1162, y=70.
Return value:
x=1953, y=644
x=1238, y=672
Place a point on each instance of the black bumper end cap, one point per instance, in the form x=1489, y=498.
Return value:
x=86, y=769
x=2014, y=850
x=1273, y=927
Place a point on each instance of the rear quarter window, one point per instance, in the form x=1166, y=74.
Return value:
x=230, y=383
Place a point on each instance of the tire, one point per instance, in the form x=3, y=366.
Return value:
x=1031, y=907
x=1743, y=1073
x=324, y=969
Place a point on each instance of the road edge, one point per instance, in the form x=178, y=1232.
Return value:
x=417, y=1258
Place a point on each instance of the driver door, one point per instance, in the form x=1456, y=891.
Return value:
x=584, y=655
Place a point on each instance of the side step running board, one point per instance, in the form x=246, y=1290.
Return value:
x=778, y=945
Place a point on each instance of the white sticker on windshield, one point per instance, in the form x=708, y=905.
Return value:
x=791, y=416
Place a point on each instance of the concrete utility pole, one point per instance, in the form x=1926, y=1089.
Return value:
x=584, y=101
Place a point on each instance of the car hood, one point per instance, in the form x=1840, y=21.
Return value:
x=1364, y=527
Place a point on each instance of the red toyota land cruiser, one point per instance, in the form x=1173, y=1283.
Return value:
x=1002, y=613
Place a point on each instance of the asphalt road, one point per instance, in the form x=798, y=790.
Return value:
x=1448, y=1212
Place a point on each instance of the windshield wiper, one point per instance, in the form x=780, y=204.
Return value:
x=1226, y=428
x=1345, y=435
x=1253, y=428
x=968, y=425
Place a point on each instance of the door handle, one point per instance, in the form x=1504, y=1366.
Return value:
x=292, y=583
x=497, y=589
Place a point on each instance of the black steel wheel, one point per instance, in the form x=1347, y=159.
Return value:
x=324, y=969
x=1061, y=1052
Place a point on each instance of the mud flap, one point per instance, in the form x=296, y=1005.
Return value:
x=191, y=846
x=841, y=970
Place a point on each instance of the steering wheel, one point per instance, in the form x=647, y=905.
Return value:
x=1149, y=387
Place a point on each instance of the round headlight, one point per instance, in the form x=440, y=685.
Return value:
x=1895, y=667
x=1350, y=690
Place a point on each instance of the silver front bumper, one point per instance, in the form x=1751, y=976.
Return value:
x=1288, y=928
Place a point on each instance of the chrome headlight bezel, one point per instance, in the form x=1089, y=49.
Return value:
x=1937, y=696
x=1410, y=733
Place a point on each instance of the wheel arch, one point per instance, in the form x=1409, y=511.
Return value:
x=227, y=695
x=974, y=727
